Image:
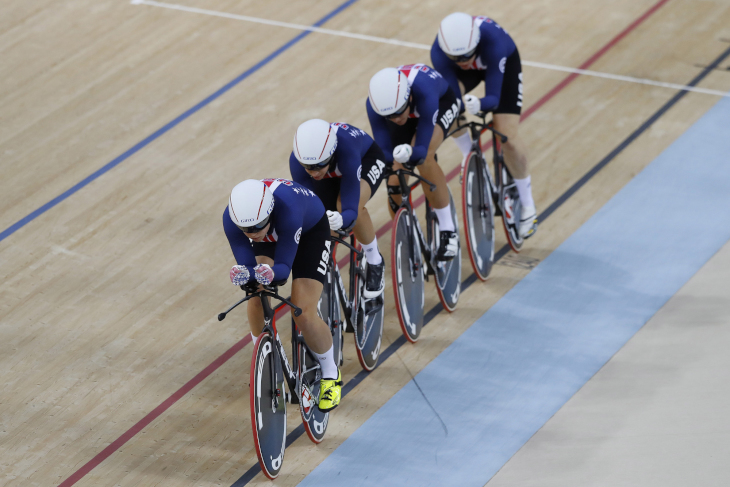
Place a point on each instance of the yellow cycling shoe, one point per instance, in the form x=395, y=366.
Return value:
x=330, y=392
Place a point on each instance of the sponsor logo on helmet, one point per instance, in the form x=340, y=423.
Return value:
x=309, y=158
x=298, y=235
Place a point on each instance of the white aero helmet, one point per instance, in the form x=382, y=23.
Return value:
x=250, y=205
x=389, y=91
x=315, y=142
x=458, y=35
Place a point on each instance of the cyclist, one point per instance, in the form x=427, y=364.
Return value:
x=467, y=51
x=343, y=166
x=276, y=227
x=411, y=109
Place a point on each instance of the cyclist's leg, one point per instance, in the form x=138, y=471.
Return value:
x=506, y=120
x=431, y=170
x=308, y=276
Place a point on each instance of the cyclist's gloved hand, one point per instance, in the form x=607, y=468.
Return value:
x=264, y=274
x=402, y=153
x=335, y=220
x=473, y=104
x=240, y=275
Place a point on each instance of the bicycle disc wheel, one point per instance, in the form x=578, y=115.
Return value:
x=512, y=208
x=448, y=274
x=407, y=271
x=309, y=374
x=332, y=317
x=368, y=329
x=268, y=406
x=478, y=210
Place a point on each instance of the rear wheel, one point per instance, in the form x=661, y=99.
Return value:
x=478, y=210
x=369, y=327
x=512, y=206
x=448, y=273
x=268, y=406
x=310, y=375
x=408, y=275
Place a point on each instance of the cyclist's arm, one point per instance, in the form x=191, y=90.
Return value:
x=240, y=244
x=428, y=108
x=447, y=68
x=350, y=163
x=380, y=132
x=288, y=225
x=494, y=54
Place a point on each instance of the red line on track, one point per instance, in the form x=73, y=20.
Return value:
x=167, y=403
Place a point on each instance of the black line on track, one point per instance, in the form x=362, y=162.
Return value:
x=431, y=314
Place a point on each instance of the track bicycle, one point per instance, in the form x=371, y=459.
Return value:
x=483, y=198
x=413, y=259
x=363, y=317
x=270, y=372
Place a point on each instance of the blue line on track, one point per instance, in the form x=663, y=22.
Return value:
x=165, y=128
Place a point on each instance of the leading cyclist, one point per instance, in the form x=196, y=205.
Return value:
x=467, y=51
x=276, y=227
x=343, y=166
x=411, y=109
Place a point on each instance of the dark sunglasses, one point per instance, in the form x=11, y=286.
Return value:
x=317, y=167
x=258, y=227
x=399, y=112
x=462, y=57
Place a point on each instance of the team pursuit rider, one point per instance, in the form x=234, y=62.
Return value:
x=467, y=51
x=276, y=227
x=343, y=166
x=411, y=109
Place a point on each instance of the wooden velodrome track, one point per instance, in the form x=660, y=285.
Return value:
x=108, y=298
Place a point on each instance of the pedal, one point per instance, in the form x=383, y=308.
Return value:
x=292, y=398
x=373, y=305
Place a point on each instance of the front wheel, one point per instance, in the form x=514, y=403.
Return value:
x=478, y=209
x=310, y=375
x=268, y=406
x=408, y=274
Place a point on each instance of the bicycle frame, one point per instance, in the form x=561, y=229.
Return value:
x=406, y=202
x=279, y=353
x=349, y=300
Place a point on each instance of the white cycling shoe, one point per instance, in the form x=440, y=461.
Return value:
x=528, y=222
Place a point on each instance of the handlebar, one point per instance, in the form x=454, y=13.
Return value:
x=252, y=290
x=343, y=234
x=410, y=172
x=480, y=126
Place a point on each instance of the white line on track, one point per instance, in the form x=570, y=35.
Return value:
x=396, y=42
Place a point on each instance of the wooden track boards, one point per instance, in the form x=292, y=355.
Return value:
x=108, y=300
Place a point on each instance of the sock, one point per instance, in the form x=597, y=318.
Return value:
x=445, y=221
x=254, y=339
x=372, y=253
x=327, y=362
x=525, y=190
x=463, y=142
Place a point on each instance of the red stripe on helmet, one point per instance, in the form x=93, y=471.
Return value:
x=263, y=197
x=471, y=33
x=443, y=38
x=325, y=141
